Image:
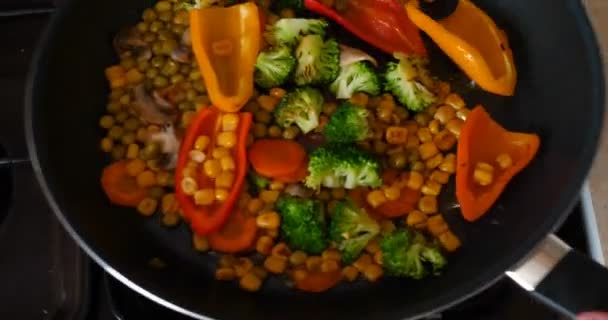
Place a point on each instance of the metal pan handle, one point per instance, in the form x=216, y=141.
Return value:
x=563, y=278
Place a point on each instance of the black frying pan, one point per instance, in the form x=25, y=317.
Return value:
x=560, y=96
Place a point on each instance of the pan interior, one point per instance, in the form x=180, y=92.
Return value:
x=559, y=96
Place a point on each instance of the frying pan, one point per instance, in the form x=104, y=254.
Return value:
x=559, y=95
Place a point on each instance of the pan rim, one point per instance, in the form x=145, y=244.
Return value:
x=452, y=297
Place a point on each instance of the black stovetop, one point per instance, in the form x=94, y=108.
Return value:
x=43, y=274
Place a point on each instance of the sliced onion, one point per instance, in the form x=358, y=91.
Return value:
x=349, y=55
x=298, y=190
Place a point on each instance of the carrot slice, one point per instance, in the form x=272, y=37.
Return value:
x=401, y=206
x=296, y=176
x=319, y=281
x=236, y=235
x=276, y=157
x=120, y=187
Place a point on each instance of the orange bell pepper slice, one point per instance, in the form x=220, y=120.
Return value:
x=483, y=140
x=226, y=42
x=474, y=42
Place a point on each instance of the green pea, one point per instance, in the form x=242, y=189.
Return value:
x=185, y=69
x=125, y=99
x=181, y=17
x=191, y=94
x=149, y=15
x=142, y=27
x=156, y=26
x=116, y=132
x=160, y=82
x=202, y=100
x=150, y=151
x=131, y=124
x=157, y=61
x=127, y=63
x=143, y=65
x=149, y=37
x=185, y=105
x=170, y=68
x=165, y=16
x=157, y=48
x=163, y=6
x=121, y=117
x=178, y=30
x=118, y=152
x=106, y=122
x=168, y=45
x=165, y=35
x=152, y=73
x=194, y=75
x=199, y=86
x=116, y=93
x=177, y=78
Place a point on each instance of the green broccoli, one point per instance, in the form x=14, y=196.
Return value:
x=273, y=67
x=302, y=107
x=318, y=60
x=303, y=223
x=340, y=165
x=289, y=31
x=296, y=5
x=351, y=228
x=196, y=4
x=347, y=124
x=409, y=81
x=356, y=77
x=407, y=254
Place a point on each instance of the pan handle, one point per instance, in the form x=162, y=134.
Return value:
x=563, y=278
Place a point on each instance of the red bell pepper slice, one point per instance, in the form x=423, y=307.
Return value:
x=381, y=23
x=207, y=219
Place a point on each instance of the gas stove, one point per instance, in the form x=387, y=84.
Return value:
x=44, y=275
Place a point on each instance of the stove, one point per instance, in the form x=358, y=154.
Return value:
x=43, y=273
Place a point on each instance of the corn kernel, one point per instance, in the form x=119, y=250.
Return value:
x=106, y=144
x=455, y=101
x=230, y=121
x=415, y=180
x=276, y=185
x=225, y=274
x=298, y=258
x=264, y=245
x=274, y=264
x=448, y=164
x=200, y=243
x=329, y=266
x=331, y=254
x=449, y=241
x=197, y=156
x=483, y=174
x=267, y=103
x=313, y=263
x=440, y=177
x=362, y=262
x=360, y=98
x=378, y=258
x=278, y=92
x=255, y=205
x=504, y=161
x=221, y=194
x=462, y=114
x=250, y=282
x=396, y=135
x=372, y=246
x=269, y=196
x=226, y=139
x=242, y=266
x=227, y=163
x=220, y=152
x=416, y=219
x=417, y=166
x=259, y=272
x=424, y=134
x=268, y=220
x=444, y=140
x=189, y=185
x=147, y=206
x=227, y=261
x=350, y=273
x=434, y=126
x=146, y=179
x=204, y=197
x=434, y=162
x=455, y=126
x=224, y=180
x=299, y=274
x=422, y=119
x=387, y=226
x=427, y=204
x=376, y=198
x=132, y=151
x=135, y=167
x=372, y=272
x=169, y=204
x=413, y=142
x=427, y=150
x=431, y=188
x=392, y=193
x=212, y=168
x=437, y=225
x=444, y=114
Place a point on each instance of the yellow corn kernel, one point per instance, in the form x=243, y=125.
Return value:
x=378, y=258
x=427, y=204
x=455, y=101
x=483, y=174
x=434, y=162
x=106, y=144
x=372, y=246
x=362, y=262
x=416, y=219
x=424, y=134
x=264, y=245
x=220, y=152
x=200, y=243
x=259, y=272
x=329, y=266
x=147, y=206
x=436, y=225
x=396, y=135
x=313, y=263
x=274, y=264
x=440, y=177
x=221, y=194
x=415, y=180
x=427, y=150
x=413, y=142
x=376, y=198
x=269, y=196
x=146, y=179
x=431, y=110
x=164, y=178
x=204, y=197
x=431, y=188
x=255, y=205
x=422, y=119
x=225, y=274
x=278, y=92
x=227, y=163
x=391, y=193
x=212, y=168
x=135, y=167
x=224, y=180
x=189, y=185
x=350, y=273
x=444, y=140
x=281, y=250
x=448, y=164
x=201, y=143
x=372, y=272
x=434, y=126
x=299, y=274
x=417, y=166
x=331, y=254
x=226, y=139
x=504, y=161
x=227, y=261
x=170, y=220
x=242, y=266
x=230, y=121
x=273, y=233
x=114, y=72
x=134, y=76
x=387, y=226
x=298, y=258
x=250, y=282
x=276, y=185
x=444, y=114
x=455, y=126
x=462, y=114
x=268, y=220
x=169, y=204
x=132, y=151
x=449, y=241
x=360, y=98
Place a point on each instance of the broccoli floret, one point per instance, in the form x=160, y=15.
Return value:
x=351, y=228
x=347, y=124
x=409, y=81
x=196, y=4
x=302, y=107
x=318, y=60
x=289, y=31
x=273, y=67
x=355, y=77
x=296, y=5
x=303, y=223
x=339, y=165
x=407, y=254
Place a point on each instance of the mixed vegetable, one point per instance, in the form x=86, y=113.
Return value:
x=292, y=153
